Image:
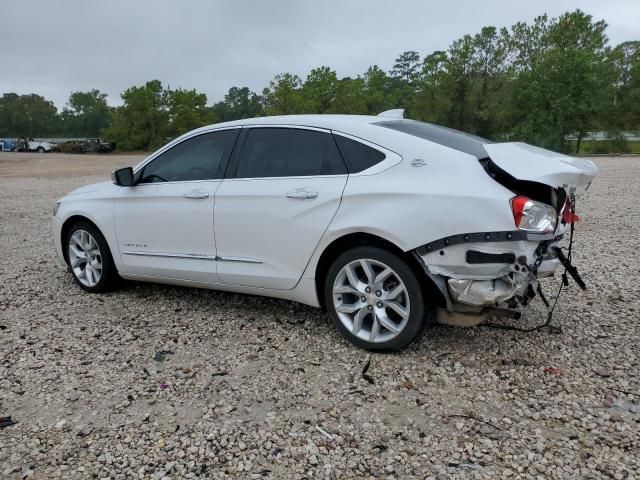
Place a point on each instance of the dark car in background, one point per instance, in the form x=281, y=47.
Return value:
x=71, y=146
x=97, y=145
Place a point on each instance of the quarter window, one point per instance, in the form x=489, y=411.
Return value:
x=356, y=155
x=197, y=158
x=288, y=152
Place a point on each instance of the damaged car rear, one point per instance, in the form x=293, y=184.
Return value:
x=516, y=203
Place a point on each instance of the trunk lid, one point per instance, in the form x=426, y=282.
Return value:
x=528, y=163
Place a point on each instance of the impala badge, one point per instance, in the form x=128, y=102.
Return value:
x=418, y=162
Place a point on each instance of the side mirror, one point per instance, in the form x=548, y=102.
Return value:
x=123, y=177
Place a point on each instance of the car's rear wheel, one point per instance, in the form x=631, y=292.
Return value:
x=89, y=258
x=375, y=299
x=40, y=149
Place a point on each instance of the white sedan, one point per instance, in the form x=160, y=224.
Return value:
x=380, y=220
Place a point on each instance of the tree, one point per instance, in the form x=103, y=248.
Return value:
x=430, y=100
x=319, y=90
x=141, y=122
x=406, y=67
x=349, y=97
x=86, y=114
x=457, y=82
x=283, y=95
x=187, y=110
x=378, y=93
x=625, y=62
x=566, y=87
x=27, y=116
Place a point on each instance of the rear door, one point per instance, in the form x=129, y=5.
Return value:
x=281, y=191
x=164, y=224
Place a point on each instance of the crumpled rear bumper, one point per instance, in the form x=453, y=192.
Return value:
x=490, y=269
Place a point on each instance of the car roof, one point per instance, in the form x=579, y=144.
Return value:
x=330, y=121
x=369, y=127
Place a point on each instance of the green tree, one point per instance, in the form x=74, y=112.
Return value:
x=458, y=83
x=86, y=114
x=141, y=123
x=27, y=115
x=349, y=97
x=187, y=110
x=378, y=91
x=566, y=88
x=319, y=90
x=431, y=100
x=283, y=95
x=406, y=67
x=625, y=61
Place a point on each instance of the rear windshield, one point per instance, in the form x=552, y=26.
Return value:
x=463, y=142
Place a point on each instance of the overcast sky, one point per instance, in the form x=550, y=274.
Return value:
x=52, y=48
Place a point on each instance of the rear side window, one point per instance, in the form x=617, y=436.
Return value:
x=461, y=141
x=288, y=152
x=356, y=155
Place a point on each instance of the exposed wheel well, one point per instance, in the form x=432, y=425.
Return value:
x=66, y=226
x=352, y=240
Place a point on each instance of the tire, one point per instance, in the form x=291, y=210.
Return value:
x=85, y=242
x=40, y=150
x=356, y=309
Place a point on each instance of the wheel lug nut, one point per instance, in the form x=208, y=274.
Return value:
x=370, y=307
x=368, y=289
x=378, y=293
x=364, y=299
x=379, y=304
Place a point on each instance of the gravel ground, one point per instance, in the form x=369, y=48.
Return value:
x=154, y=381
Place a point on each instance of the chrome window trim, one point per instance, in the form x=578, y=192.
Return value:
x=296, y=127
x=176, y=142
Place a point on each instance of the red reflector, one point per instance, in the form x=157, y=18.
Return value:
x=567, y=215
x=517, y=206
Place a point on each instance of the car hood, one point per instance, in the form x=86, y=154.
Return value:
x=94, y=187
x=526, y=162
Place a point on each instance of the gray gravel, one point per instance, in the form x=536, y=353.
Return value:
x=155, y=381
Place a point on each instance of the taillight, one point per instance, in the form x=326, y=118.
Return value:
x=533, y=216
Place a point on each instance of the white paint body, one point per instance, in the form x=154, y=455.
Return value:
x=34, y=146
x=247, y=236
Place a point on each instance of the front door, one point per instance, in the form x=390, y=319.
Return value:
x=283, y=189
x=164, y=224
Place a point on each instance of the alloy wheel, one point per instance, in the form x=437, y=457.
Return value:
x=85, y=258
x=371, y=300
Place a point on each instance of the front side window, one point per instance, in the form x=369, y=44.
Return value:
x=197, y=158
x=288, y=152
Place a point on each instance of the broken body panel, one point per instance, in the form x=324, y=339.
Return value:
x=503, y=268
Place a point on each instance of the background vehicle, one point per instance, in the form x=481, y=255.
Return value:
x=97, y=145
x=70, y=146
x=379, y=220
x=7, y=145
x=31, y=145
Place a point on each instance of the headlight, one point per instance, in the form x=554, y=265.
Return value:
x=55, y=208
x=533, y=216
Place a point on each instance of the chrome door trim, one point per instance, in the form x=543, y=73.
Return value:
x=239, y=259
x=195, y=256
x=173, y=255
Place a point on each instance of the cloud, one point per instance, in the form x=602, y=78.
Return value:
x=53, y=48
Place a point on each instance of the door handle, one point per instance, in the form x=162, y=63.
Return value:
x=197, y=194
x=302, y=194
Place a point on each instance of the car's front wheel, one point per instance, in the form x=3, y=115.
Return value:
x=89, y=258
x=375, y=299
